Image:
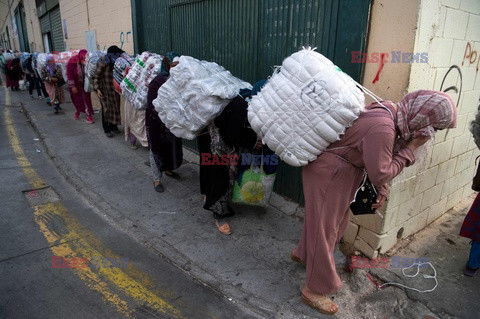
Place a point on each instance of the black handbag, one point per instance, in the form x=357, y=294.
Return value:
x=364, y=198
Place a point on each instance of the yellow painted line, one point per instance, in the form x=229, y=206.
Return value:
x=91, y=279
x=23, y=161
x=82, y=247
x=69, y=244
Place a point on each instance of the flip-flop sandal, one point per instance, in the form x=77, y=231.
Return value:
x=224, y=229
x=322, y=305
x=173, y=175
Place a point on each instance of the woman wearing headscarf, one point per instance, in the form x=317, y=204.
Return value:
x=222, y=138
x=382, y=141
x=166, y=153
x=53, y=79
x=76, y=77
x=31, y=77
x=14, y=74
x=34, y=57
x=109, y=98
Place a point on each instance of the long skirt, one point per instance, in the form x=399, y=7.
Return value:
x=471, y=224
x=329, y=183
x=135, y=124
x=56, y=94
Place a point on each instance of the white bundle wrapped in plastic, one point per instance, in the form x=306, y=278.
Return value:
x=194, y=95
x=135, y=85
x=305, y=106
x=23, y=61
x=62, y=59
x=91, y=62
x=41, y=62
x=5, y=57
x=121, y=65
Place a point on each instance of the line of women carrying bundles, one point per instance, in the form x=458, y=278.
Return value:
x=47, y=73
x=309, y=113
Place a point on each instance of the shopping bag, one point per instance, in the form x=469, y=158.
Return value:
x=254, y=188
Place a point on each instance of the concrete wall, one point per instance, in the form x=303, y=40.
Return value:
x=7, y=17
x=111, y=20
x=392, y=28
x=449, y=31
x=33, y=25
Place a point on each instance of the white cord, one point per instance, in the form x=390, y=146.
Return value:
x=412, y=276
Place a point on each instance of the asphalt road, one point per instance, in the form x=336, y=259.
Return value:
x=60, y=257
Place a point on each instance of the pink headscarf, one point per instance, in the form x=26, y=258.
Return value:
x=82, y=55
x=420, y=112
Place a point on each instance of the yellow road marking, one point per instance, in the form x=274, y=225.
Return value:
x=23, y=161
x=79, y=242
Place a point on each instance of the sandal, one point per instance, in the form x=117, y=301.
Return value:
x=297, y=260
x=224, y=229
x=322, y=304
x=158, y=187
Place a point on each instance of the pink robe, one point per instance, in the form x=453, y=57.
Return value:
x=330, y=182
x=75, y=75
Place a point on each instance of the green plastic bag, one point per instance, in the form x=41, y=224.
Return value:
x=255, y=187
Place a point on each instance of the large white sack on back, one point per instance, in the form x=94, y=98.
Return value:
x=41, y=62
x=135, y=85
x=5, y=57
x=121, y=65
x=91, y=60
x=62, y=59
x=305, y=106
x=194, y=95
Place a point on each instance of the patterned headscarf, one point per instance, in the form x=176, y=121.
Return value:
x=166, y=62
x=51, y=68
x=420, y=112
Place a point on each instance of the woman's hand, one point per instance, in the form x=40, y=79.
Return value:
x=417, y=142
x=99, y=93
x=53, y=80
x=379, y=202
x=74, y=90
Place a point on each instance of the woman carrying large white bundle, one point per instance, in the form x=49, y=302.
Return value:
x=382, y=141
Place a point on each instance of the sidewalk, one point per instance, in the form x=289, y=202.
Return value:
x=252, y=266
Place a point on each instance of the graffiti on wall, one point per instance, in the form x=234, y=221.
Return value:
x=124, y=38
x=453, y=87
x=470, y=55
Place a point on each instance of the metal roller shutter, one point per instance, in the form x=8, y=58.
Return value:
x=52, y=23
x=56, y=30
x=45, y=23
